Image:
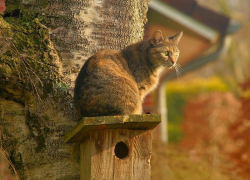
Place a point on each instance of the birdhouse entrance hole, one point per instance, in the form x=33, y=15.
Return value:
x=121, y=150
x=129, y=138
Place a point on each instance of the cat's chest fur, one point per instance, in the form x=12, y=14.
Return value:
x=149, y=84
x=143, y=72
x=115, y=82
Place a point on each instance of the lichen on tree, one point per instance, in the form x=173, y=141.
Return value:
x=43, y=45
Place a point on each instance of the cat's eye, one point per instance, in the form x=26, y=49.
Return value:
x=166, y=53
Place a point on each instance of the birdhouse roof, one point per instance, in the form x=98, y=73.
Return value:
x=132, y=122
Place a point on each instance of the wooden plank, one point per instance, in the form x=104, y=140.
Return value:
x=102, y=154
x=85, y=159
x=123, y=169
x=99, y=161
x=88, y=124
x=142, y=148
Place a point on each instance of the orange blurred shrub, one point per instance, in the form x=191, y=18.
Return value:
x=206, y=127
x=240, y=133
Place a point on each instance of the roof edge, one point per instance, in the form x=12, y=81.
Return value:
x=194, y=25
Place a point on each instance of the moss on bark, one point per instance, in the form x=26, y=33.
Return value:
x=28, y=56
x=31, y=68
x=30, y=80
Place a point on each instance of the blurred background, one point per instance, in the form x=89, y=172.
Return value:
x=205, y=129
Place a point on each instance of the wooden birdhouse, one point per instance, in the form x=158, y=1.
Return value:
x=114, y=147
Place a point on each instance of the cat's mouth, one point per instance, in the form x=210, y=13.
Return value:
x=169, y=64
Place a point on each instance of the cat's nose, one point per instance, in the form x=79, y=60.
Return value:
x=172, y=60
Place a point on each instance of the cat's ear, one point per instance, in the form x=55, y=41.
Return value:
x=176, y=38
x=156, y=38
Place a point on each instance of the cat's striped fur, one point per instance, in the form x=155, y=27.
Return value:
x=115, y=82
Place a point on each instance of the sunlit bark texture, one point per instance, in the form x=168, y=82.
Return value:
x=43, y=45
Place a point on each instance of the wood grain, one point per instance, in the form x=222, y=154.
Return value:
x=142, y=148
x=100, y=162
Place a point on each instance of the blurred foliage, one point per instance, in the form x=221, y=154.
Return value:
x=206, y=130
x=173, y=163
x=210, y=122
x=179, y=92
x=217, y=126
x=240, y=133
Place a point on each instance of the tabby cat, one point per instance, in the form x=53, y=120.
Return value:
x=115, y=82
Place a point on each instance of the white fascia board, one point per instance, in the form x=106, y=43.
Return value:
x=183, y=19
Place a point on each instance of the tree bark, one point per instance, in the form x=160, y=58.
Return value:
x=43, y=45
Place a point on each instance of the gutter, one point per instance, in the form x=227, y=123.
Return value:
x=181, y=18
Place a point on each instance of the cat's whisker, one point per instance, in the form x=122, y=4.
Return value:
x=177, y=72
x=179, y=66
x=177, y=69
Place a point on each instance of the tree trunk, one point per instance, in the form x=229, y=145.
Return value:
x=43, y=45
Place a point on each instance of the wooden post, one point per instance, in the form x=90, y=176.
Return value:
x=115, y=147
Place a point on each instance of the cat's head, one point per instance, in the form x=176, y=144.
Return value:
x=164, y=51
